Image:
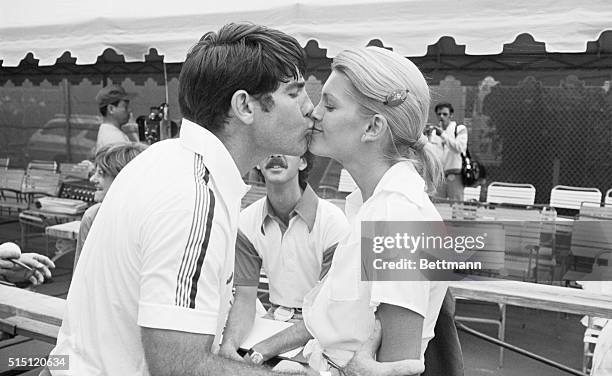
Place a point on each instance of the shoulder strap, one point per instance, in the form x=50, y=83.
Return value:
x=467, y=151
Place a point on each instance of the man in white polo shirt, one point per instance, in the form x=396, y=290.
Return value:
x=292, y=234
x=152, y=289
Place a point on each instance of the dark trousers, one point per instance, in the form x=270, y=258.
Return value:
x=443, y=356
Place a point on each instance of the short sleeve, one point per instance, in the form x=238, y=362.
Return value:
x=182, y=266
x=248, y=262
x=334, y=225
x=413, y=295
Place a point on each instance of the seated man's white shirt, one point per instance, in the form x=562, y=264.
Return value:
x=109, y=134
x=294, y=258
x=160, y=254
x=339, y=312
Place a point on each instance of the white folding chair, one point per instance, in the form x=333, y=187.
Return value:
x=471, y=193
x=511, y=193
x=608, y=198
x=346, y=183
x=566, y=197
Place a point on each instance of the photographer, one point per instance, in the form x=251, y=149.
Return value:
x=450, y=140
x=114, y=105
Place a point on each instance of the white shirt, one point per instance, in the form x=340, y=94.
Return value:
x=293, y=258
x=160, y=254
x=109, y=134
x=448, y=147
x=339, y=312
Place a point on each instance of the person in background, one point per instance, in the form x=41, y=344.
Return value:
x=114, y=105
x=450, y=140
x=108, y=162
x=292, y=234
x=11, y=272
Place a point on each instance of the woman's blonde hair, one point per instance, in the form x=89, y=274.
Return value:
x=375, y=74
x=111, y=159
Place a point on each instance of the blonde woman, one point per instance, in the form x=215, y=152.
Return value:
x=371, y=117
x=108, y=162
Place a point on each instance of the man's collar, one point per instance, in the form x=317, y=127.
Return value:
x=306, y=208
x=217, y=159
x=401, y=178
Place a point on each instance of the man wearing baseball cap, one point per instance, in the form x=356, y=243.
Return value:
x=113, y=102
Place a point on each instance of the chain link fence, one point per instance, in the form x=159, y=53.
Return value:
x=545, y=136
x=527, y=133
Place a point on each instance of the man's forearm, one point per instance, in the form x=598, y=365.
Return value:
x=374, y=368
x=170, y=352
x=291, y=338
x=219, y=366
x=240, y=320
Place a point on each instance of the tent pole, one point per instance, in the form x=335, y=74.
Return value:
x=68, y=114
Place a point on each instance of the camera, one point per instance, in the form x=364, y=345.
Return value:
x=156, y=126
x=430, y=129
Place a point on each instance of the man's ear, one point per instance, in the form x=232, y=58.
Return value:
x=375, y=129
x=241, y=105
x=303, y=164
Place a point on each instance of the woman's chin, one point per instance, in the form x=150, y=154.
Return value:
x=317, y=147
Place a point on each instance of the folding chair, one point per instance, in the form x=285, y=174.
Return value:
x=566, y=197
x=608, y=198
x=73, y=170
x=511, y=193
x=471, y=193
x=42, y=165
x=4, y=163
x=346, y=184
x=12, y=198
x=255, y=193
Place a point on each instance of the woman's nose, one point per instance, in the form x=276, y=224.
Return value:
x=316, y=114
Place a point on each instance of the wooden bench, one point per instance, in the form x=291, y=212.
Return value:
x=31, y=314
x=536, y=296
x=29, y=309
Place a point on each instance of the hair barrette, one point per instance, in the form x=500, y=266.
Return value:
x=396, y=97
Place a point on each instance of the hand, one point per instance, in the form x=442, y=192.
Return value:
x=40, y=265
x=438, y=130
x=255, y=359
x=227, y=351
x=8, y=251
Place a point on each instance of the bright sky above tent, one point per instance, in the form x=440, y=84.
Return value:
x=131, y=28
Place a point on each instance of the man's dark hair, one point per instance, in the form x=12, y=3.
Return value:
x=104, y=109
x=444, y=105
x=250, y=57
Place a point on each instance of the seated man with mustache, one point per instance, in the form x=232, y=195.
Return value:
x=292, y=234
